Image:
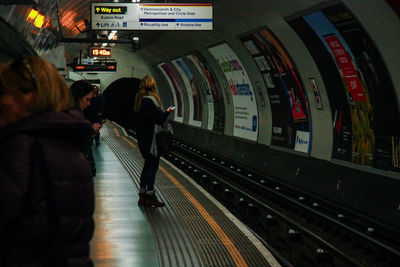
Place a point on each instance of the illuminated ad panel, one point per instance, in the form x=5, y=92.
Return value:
x=194, y=95
x=175, y=89
x=244, y=102
x=361, y=94
x=210, y=103
x=215, y=101
x=289, y=106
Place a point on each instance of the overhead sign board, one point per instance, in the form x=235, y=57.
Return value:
x=110, y=10
x=145, y=16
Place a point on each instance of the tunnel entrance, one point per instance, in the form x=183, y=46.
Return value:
x=120, y=100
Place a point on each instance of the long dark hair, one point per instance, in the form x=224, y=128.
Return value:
x=78, y=90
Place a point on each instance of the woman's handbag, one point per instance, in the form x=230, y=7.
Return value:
x=164, y=138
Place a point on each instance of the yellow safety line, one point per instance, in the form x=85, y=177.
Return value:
x=129, y=142
x=116, y=131
x=233, y=251
x=229, y=245
x=236, y=255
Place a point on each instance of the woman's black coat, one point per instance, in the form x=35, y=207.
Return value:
x=25, y=238
x=149, y=115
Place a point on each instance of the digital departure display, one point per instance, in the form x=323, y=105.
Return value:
x=106, y=66
x=100, y=52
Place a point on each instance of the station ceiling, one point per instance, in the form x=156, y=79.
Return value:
x=230, y=18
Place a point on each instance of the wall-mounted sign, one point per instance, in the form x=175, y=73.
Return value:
x=100, y=52
x=145, y=16
x=302, y=143
x=317, y=96
x=110, y=10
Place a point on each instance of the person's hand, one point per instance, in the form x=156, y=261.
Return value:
x=170, y=109
x=96, y=127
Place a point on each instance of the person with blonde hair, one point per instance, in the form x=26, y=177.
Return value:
x=149, y=111
x=46, y=188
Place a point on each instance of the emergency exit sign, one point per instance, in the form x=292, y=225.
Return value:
x=148, y=16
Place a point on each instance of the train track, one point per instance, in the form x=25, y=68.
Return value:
x=301, y=229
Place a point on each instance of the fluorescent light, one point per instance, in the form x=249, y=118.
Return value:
x=39, y=20
x=32, y=14
x=111, y=35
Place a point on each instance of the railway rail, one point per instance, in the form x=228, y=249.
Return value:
x=300, y=229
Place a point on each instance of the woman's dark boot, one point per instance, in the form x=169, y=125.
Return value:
x=142, y=197
x=151, y=200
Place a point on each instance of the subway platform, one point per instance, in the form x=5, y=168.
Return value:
x=193, y=229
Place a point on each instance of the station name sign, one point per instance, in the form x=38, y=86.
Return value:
x=147, y=16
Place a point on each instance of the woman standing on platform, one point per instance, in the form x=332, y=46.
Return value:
x=46, y=189
x=149, y=114
x=82, y=93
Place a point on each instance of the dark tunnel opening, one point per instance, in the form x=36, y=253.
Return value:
x=120, y=100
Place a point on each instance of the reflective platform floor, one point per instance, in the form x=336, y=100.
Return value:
x=193, y=229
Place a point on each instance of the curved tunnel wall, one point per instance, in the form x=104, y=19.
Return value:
x=318, y=118
x=347, y=180
x=316, y=170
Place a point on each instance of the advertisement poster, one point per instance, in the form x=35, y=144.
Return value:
x=194, y=95
x=175, y=89
x=210, y=104
x=244, y=102
x=373, y=131
x=289, y=106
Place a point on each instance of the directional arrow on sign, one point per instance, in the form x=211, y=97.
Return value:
x=97, y=9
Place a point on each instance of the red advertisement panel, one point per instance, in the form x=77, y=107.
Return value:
x=347, y=67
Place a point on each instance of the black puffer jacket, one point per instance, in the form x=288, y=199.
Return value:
x=24, y=230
